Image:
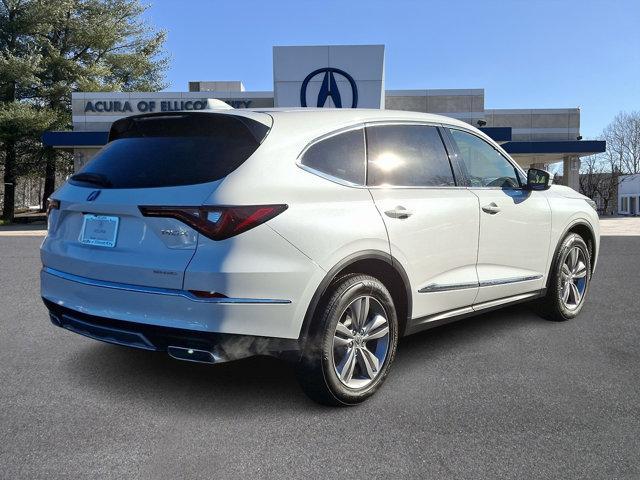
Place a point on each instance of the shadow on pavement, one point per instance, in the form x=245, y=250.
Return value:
x=155, y=378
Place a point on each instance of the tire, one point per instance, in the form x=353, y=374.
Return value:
x=559, y=304
x=355, y=348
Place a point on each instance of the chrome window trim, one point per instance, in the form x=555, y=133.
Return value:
x=442, y=287
x=414, y=187
x=331, y=178
x=346, y=183
x=377, y=123
x=157, y=290
x=363, y=125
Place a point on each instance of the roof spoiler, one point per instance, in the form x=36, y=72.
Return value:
x=215, y=104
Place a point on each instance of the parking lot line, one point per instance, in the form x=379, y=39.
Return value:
x=23, y=233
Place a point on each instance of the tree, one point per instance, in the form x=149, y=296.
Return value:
x=19, y=64
x=590, y=172
x=97, y=45
x=21, y=125
x=623, y=142
x=50, y=49
x=599, y=180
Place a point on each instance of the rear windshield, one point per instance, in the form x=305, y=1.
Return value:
x=172, y=150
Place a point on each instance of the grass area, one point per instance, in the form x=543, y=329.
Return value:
x=4, y=222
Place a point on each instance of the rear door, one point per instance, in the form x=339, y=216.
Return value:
x=515, y=224
x=432, y=223
x=99, y=231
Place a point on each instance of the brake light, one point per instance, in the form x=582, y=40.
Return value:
x=52, y=204
x=217, y=223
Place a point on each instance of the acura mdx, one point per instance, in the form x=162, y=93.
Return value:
x=321, y=236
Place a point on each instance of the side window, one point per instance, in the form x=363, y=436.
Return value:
x=407, y=155
x=485, y=166
x=341, y=156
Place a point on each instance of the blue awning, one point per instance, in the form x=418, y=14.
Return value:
x=498, y=134
x=75, y=139
x=576, y=147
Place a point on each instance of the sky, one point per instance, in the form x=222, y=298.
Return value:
x=525, y=54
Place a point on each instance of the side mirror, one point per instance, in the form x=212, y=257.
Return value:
x=538, y=179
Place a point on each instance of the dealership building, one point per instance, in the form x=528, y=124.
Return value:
x=342, y=76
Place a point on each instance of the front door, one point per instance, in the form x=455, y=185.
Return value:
x=515, y=223
x=432, y=223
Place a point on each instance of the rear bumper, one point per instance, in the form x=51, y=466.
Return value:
x=177, y=309
x=179, y=343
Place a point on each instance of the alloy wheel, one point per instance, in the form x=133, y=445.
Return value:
x=573, y=278
x=361, y=342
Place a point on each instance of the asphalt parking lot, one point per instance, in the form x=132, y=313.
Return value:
x=502, y=395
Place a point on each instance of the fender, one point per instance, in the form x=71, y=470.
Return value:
x=331, y=275
x=571, y=225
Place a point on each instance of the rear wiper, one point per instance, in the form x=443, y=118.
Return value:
x=93, y=178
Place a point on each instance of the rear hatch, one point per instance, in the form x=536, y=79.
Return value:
x=96, y=228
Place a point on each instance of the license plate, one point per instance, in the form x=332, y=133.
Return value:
x=99, y=230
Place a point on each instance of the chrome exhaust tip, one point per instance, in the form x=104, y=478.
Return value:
x=194, y=355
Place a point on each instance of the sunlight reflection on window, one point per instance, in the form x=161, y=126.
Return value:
x=388, y=161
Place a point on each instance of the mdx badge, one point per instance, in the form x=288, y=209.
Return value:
x=173, y=232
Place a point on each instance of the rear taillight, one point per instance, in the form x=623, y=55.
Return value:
x=217, y=223
x=52, y=204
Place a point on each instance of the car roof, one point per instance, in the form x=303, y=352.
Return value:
x=341, y=115
x=304, y=123
x=308, y=115
x=330, y=119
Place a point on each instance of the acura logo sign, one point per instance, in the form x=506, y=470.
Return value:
x=329, y=87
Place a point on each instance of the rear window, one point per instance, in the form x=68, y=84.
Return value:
x=341, y=156
x=172, y=150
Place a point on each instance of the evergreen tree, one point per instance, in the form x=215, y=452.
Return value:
x=50, y=49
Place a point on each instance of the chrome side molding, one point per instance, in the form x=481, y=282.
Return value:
x=157, y=290
x=503, y=281
x=442, y=287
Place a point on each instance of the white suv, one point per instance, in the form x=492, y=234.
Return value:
x=320, y=236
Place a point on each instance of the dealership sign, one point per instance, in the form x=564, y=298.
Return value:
x=143, y=106
x=329, y=76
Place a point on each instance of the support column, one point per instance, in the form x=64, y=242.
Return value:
x=571, y=172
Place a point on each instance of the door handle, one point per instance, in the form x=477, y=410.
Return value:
x=492, y=208
x=399, y=212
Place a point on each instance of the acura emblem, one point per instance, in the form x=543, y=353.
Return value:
x=93, y=195
x=329, y=87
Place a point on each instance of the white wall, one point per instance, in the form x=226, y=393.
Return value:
x=629, y=194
